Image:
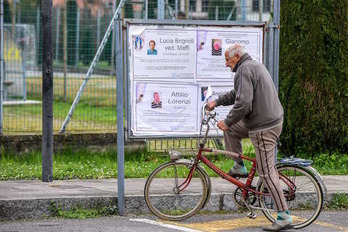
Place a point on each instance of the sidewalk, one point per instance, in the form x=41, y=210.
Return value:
x=34, y=198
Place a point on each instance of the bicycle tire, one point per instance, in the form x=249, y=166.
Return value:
x=161, y=194
x=304, y=204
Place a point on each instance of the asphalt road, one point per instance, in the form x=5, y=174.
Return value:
x=327, y=221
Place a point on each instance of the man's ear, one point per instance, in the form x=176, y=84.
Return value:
x=238, y=56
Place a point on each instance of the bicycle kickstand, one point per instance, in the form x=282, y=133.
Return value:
x=251, y=214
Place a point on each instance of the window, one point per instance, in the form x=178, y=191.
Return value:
x=266, y=5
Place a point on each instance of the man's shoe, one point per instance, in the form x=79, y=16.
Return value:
x=278, y=225
x=235, y=173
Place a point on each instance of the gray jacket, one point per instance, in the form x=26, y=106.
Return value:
x=254, y=96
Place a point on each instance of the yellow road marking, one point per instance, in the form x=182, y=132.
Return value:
x=227, y=224
x=245, y=222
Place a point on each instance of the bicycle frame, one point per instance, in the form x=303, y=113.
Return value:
x=245, y=186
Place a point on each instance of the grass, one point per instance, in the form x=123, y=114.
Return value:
x=97, y=93
x=339, y=201
x=86, y=164
x=28, y=118
x=78, y=212
x=96, y=110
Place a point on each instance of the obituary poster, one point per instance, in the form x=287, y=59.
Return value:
x=167, y=54
x=212, y=43
x=165, y=108
x=218, y=88
x=170, y=68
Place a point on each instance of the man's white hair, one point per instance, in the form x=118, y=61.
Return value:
x=235, y=49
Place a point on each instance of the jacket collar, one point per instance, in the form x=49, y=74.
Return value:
x=244, y=57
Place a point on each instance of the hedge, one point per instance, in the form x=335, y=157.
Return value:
x=313, y=76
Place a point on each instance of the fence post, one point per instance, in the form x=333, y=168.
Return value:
x=47, y=92
x=260, y=9
x=176, y=8
x=120, y=126
x=272, y=51
x=243, y=10
x=98, y=27
x=216, y=13
x=38, y=33
x=1, y=63
x=65, y=48
x=276, y=28
x=160, y=11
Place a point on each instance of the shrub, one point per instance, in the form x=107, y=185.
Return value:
x=313, y=76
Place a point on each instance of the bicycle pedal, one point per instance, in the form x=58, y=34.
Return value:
x=251, y=215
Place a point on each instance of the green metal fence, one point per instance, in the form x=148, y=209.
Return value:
x=78, y=29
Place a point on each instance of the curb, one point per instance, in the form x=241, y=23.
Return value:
x=16, y=209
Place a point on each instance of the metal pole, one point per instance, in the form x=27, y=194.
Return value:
x=176, y=9
x=98, y=27
x=160, y=9
x=91, y=67
x=57, y=33
x=216, y=12
x=269, y=49
x=243, y=9
x=120, y=126
x=273, y=50
x=187, y=10
x=47, y=92
x=14, y=20
x=231, y=13
x=24, y=65
x=276, y=28
x=126, y=80
x=19, y=13
x=77, y=37
x=65, y=47
x=260, y=9
x=1, y=63
x=113, y=42
x=38, y=12
x=146, y=8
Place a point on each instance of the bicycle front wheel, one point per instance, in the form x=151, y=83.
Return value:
x=169, y=197
x=302, y=192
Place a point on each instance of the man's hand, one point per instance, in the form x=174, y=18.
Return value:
x=221, y=125
x=211, y=105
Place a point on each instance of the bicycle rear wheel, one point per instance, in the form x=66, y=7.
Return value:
x=304, y=196
x=166, y=195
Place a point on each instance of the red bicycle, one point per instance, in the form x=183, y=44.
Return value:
x=178, y=189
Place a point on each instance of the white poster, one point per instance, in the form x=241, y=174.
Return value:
x=218, y=88
x=170, y=68
x=212, y=43
x=166, y=54
x=162, y=108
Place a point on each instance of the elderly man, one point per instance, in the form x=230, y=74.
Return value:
x=257, y=114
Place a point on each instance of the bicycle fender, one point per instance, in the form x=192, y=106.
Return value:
x=320, y=179
x=314, y=172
